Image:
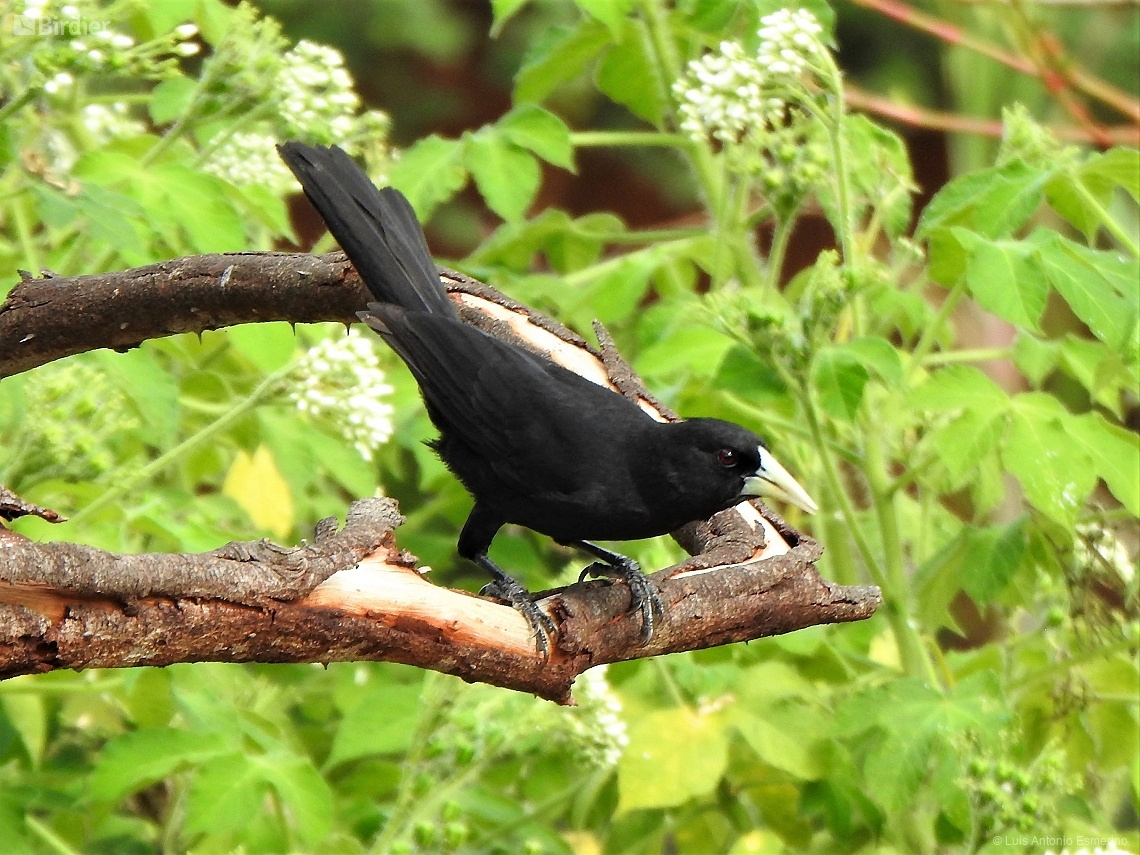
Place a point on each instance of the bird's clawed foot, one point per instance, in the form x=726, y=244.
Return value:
x=643, y=596
x=512, y=591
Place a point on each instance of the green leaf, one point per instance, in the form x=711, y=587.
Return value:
x=383, y=721
x=302, y=790
x=744, y=373
x=1035, y=358
x=1055, y=473
x=558, y=57
x=877, y=355
x=1120, y=166
x=268, y=346
x=781, y=748
x=150, y=387
x=967, y=440
x=610, y=12
x=137, y=759
x=170, y=98
x=540, y=131
x=839, y=377
x=28, y=717
x=991, y=556
x=1098, y=368
x=628, y=75
x=673, y=755
x=225, y=793
x=1100, y=287
x=1005, y=278
x=429, y=173
x=992, y=202
x=912, y=721
x=1115, y=452
x=506, y=175
x=695, y=350
x=959, y=387
x=194, y=200
x=501, y=12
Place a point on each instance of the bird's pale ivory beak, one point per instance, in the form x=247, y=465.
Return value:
x=773, y=481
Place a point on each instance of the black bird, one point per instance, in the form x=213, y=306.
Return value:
x=534, y=443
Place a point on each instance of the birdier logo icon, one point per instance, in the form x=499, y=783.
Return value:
x=38, y=25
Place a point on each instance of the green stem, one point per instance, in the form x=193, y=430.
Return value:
x=268, y=386
x=53, y=840
x=670, y=684
x=912, y=652
x=25, y=97
x=628, y=138
x=1109, y=221
x=643, y=236
x=780, y=237
x=836, y=485
x=930, y=334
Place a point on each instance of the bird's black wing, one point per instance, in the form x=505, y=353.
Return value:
x=377, y=229
x=523, y=416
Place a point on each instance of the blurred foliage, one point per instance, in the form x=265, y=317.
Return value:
x=990, y=707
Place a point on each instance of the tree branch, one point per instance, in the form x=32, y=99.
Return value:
x=352, y=594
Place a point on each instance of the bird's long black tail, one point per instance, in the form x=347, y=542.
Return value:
x=377, y=229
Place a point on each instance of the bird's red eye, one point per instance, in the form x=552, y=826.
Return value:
x=726, y=457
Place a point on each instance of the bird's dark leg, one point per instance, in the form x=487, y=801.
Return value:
x=642, y=595
x=508, y=588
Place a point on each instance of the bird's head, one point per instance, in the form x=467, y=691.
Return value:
x=740, y=461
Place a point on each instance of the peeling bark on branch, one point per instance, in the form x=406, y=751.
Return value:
x=352, y=594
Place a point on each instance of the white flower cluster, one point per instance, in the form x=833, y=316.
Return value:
x=789, y=42
x=251, y=158
x=317, y=91
x=596, y=722
x=755, y=107
x=722, y=96
x=110, y=122
x=340, y=379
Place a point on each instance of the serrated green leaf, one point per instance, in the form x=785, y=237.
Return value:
x=696, y=350
x=838, y=378
x=136, y=760
x=628, y=75
x=382, y=721
x=558, y=57
x=1119, y=166
x=991, y=556
x=1098, y=368
x=1100, y=287
x=1115, y=453
x=225, y=793
x=506, y=175
x=1055, y=473
x=429, y=173
x=991, y=202
x=1006, y=279
x=673, y=755
x=967, y=440
x=743, y=373
x=959, y=387
x=540, y=131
